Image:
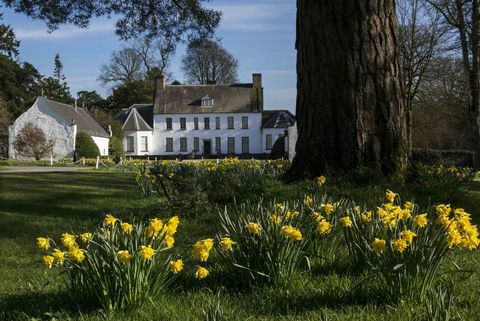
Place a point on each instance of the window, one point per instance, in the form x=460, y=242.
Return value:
x=195, y=123
x=217, y=122
x=196, y=144
x=245, y=145
x=169, y=145
x=206, y=122
x=207, y=101
x=130, y=145
x=169, y=123
x=268, y=139
x=183, y=123
x=231, y=145
x=244, y=122
x=230, y=123
x=144, y=144
x=218, y=145
x=183, y=144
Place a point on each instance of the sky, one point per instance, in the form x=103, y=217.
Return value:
x=259, y=33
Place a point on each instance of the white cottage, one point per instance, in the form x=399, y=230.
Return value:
x=60, y=122
x=203, y=120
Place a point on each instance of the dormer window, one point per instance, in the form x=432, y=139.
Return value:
x=207, y=101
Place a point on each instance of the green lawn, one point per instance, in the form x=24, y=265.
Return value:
x=35, y=204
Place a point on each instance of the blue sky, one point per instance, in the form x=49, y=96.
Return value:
x=260, y=34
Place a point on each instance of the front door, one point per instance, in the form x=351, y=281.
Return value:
x=207, y=147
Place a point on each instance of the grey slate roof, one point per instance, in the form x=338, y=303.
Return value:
x=277, y=119
x=187, y=99
x=85, y=122
x=142, y=117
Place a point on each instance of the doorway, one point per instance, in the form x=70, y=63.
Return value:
x=207, y=147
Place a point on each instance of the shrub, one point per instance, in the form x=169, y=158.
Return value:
x=31, y=141
x=405, y=247
x=85, y=146
x=121, y=265
x=443, y=157
x=115, y=148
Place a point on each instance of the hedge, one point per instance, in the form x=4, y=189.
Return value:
x=443, y=157
x=85, y=146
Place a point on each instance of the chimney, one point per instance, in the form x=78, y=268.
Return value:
x=110, y=133
x=159, y=84
x=257, y=93
x=75, y=105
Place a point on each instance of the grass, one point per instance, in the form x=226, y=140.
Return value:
x=34, y=204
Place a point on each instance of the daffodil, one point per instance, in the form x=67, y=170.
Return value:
x=308, y=201
x=109, y=220
x=85, y=237
x=155, y=227
x=201, y=249
x=68, y=240
x=328, y=208
x=367, y=217
x=324, y=227
x=58, y=256
x=43, y=243
x=321, y=180
x=126, y=228
x=399, y=245
x=201, y=273
x=292, y=233
x=346, y=221
x=169, y=241
x=379, y=245
x=275, y=219
x=146, y=252
x=227, y=243
x=124, y=256
x=253, y=228
x=390, y=196
x=76, y=254
x=408, y=236
x=48, y=261
x=176, y=266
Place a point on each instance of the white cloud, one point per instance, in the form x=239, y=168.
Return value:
x=257, y=17
x=64, y=32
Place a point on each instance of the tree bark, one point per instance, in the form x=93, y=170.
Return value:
x=350, y=107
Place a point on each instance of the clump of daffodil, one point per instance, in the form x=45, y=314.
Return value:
x=227, y=243
x=201, y=273
x=292, y=233
x=176, y=266
x=146, y=252
x=201, y=249
x=155, y=227
x=254, y=228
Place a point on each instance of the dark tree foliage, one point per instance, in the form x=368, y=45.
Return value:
x=106, y=119
x=54, y=90
x=31, y=141
x=136, y=92
x=115, y=148
x=58, y=69
x=5, y=121
x=19, y=85
x=85, y=146
x=91, y=100
x=155, y=18
x=8, y=42
x=206, y=61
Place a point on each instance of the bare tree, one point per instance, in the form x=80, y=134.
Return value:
x=206, y=61
x=420, y=34
x=31, y=141
x=125, y=67
x=155, y=54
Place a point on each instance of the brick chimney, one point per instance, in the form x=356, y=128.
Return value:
x=159, y=84
x=257, y=93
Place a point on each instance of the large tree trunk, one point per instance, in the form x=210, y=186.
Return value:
x=350, y=105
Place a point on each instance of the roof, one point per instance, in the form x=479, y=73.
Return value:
x=136, y=117
x=277, y=119
x=85, y=122
x=187, y=99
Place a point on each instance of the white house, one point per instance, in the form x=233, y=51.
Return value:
x=60, y=122
x=203, y=120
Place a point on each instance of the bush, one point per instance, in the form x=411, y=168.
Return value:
x=85, y=146
x=443, y=157
x=31, y=141
x=115, y=148
x=121, y=265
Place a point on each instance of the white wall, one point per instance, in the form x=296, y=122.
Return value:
x=102, y=143
x=51, y=123
x=253, y=132
x=276, y=133
x=137, y=144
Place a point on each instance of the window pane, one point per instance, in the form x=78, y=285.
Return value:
x=245, y=122
x=207, y=122
x=196, y=144
x=130, y=144
x=195, y=123
x=217, y=122
x=230, y=123
x=218, y=146
x=183, y=144
x=245, y=145
x=183, y=123
x=144, y=144
x=231, y=145
x=169, y=145
x=169, y=123
x=269, y=141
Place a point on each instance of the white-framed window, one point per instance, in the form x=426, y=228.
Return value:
x=245, y=145
x=231, y=145
x=244, y=122
x=268, y=140
x=218, y=144
x=183, y=123
x=206, y=123
x=196, y=144
x=183, y=144
x=217, y=122
x=207, y=101
x=169, y=144
x=230, y=122
x=144, y=143
x=168, y=123
x=195, y=123
x=130, y=144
